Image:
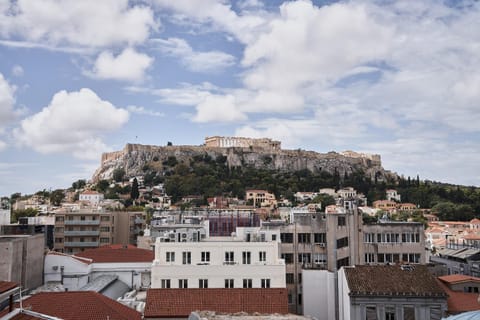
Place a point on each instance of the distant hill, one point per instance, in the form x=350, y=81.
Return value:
x=138, y=159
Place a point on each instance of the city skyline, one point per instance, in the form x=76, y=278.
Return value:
x=388, y=78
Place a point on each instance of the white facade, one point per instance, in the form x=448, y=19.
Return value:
x=4, y=217
x=392, y=195
x=218, y=264
x=318, y=294
x=76, y=272
x=91, y=196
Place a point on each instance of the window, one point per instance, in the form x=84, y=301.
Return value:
x=286, y=237
x=288, y=257
x=369, y=257
x=342, y=242
x=408, y=312
x=229, y=283
x=289, y=278
x=370, y=313
x=165, y=283
x=343, y=262
x=229, y=257
x=389, y=313
x=203, y=283
x=59, y=218
x=247, y=283
x=274, y=237
x=290, y=299
x=304, y=258
x=104, y=240
x=58, y=240
x=265, y=283
x=170, y=256
x=435, y=313
x=187, y=257
x=205, y=256
x=262, y=256
x=59, y=229
x=105, y=229
x=299, y=298
x=103, y=218
x=369, y=237
x=246, y=257
x=319, y=238
x=299, y=278
x=183, y=283
x=304, y=238
x=82, y=218
x=341, y=221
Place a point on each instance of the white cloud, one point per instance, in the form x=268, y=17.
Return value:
x=208, y=61
x=17, y=70
x=218, y=109
x=86, y=23
x=72, y=123
x=218, y=14
x=127, y=66
x=7, y=101
x=143, y=111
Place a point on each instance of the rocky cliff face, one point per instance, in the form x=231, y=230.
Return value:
x=134, y=157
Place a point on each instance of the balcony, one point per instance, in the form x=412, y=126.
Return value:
x=82, y=222
x=82, y=244
x=82, y=233
x=139, y=220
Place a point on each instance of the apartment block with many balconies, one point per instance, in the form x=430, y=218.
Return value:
x=77, y=230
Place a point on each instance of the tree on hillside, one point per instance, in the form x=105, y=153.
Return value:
x=102, y=186
x=56, y=197
x=118, y=174
x=134, y=193
x=79, y=184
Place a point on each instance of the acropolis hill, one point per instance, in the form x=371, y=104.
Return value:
x=258, y=153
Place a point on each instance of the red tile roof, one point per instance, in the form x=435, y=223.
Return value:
x=459, y=301
x=456, y=278
x=7, y=285
x=391, y=280
x=118, y=253
x=163, y=303
x=78, y=305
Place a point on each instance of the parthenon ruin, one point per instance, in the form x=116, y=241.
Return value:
x=242, y=142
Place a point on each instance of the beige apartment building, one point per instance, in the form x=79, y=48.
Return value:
x=77, y=230
x=328, y=241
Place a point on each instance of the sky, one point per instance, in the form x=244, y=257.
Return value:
x=396, y=78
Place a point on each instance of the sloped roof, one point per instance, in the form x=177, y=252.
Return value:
x=80, y=259
x=118, y=253
x=392, y=280
x=78, y=305
x=164, y=303
x=459, y=301
x=456, y=278
x=7, y=285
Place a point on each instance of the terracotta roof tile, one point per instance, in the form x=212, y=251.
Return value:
x=391, y=280
x=80, y=259
x=118, y=253
x=7, y=285
x=459, y=301
x=79, y=305
x=456, y=278
x=181, y=302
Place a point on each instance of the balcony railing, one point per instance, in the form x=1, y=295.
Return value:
x=82, y=233
x=83, y=222
x=139, y=221
x=81, y=244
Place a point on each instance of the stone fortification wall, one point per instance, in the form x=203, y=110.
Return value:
x=134, y=157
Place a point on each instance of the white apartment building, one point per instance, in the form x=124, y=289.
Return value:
x=93, y=197
x=392, y=195
x=215, y=263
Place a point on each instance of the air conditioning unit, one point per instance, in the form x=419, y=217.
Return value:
x=55, y=268
x=322, y=245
